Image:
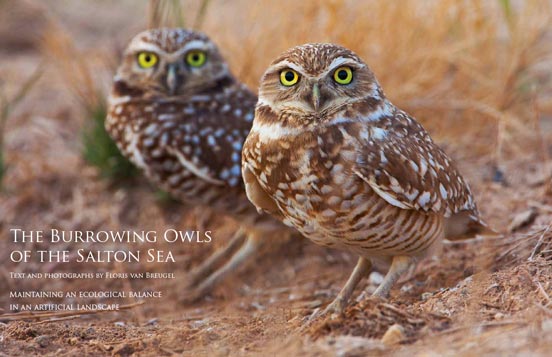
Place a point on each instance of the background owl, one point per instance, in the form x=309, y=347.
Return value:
x=331, y=156
x=177, y=113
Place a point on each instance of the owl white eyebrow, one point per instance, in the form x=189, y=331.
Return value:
x=193, y=45
x=337, y=62
x=340, y=61
x=286, y=64
x=143, y=46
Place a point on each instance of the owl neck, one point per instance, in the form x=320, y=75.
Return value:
x=218, y=85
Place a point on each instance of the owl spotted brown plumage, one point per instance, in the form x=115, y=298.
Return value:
x=331, y=156
x=177, y=113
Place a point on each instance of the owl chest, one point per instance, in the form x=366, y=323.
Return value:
x=147, y=147
x=332, y=206
x=315, y=192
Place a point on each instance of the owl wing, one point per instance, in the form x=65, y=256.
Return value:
x=255, y=193
x=212, y=153
x=200, y=169
x=208, y=142
x=251, y=171
x=403, y=165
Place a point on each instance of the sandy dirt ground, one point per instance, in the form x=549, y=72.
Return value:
x=488, y=296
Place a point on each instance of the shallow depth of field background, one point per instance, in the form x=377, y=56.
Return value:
x=476, y=74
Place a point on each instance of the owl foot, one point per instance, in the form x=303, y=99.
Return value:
x=336, y=308
x=399, y=265
x=207, y=282
x=205, y=269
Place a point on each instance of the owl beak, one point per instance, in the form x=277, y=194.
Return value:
x=315, y=97
x=173, y=79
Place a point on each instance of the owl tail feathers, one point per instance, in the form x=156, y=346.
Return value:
x=464, y=225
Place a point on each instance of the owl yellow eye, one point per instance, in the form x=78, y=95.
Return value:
x=147, y=59
x=343, y=75
x=288, y=77
x=196, y=58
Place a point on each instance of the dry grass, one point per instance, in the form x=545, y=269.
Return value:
x=7, y=105
x=519, y=248
x=464, y=68
x=165, y=13
x=173, y=13
x=74, y=66
x=98, y=149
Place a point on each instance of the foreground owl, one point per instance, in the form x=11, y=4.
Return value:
x=177, y=113
x=331, y=156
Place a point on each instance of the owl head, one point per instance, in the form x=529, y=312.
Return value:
x=313, y=80
x=171, y=62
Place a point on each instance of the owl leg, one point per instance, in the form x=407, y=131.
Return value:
x=399, y=265
x=361, y=270
x=247, y=249
x=208, y=266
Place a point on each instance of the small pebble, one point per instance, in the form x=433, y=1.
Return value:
x=152, y=322
x=124, y=349
x=407, y=287
x=196, y=324
x=43, y=340
x=393, y=335
x=258, y=306
x=546, y=325
x=375, y=278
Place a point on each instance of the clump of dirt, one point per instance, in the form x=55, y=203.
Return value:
x=20, y=330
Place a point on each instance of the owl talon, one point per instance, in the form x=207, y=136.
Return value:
x=335, y=309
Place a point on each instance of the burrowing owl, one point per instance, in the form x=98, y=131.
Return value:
x=177, y=113
x=332, y=157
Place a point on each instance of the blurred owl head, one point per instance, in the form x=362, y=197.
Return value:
x=314, y=79
x=172, y=62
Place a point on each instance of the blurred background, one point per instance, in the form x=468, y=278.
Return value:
x=476, y=74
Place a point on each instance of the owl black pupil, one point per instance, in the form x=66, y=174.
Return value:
x=289, y=76
x=195, y=58
x=148, y=58
x=342, y=75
